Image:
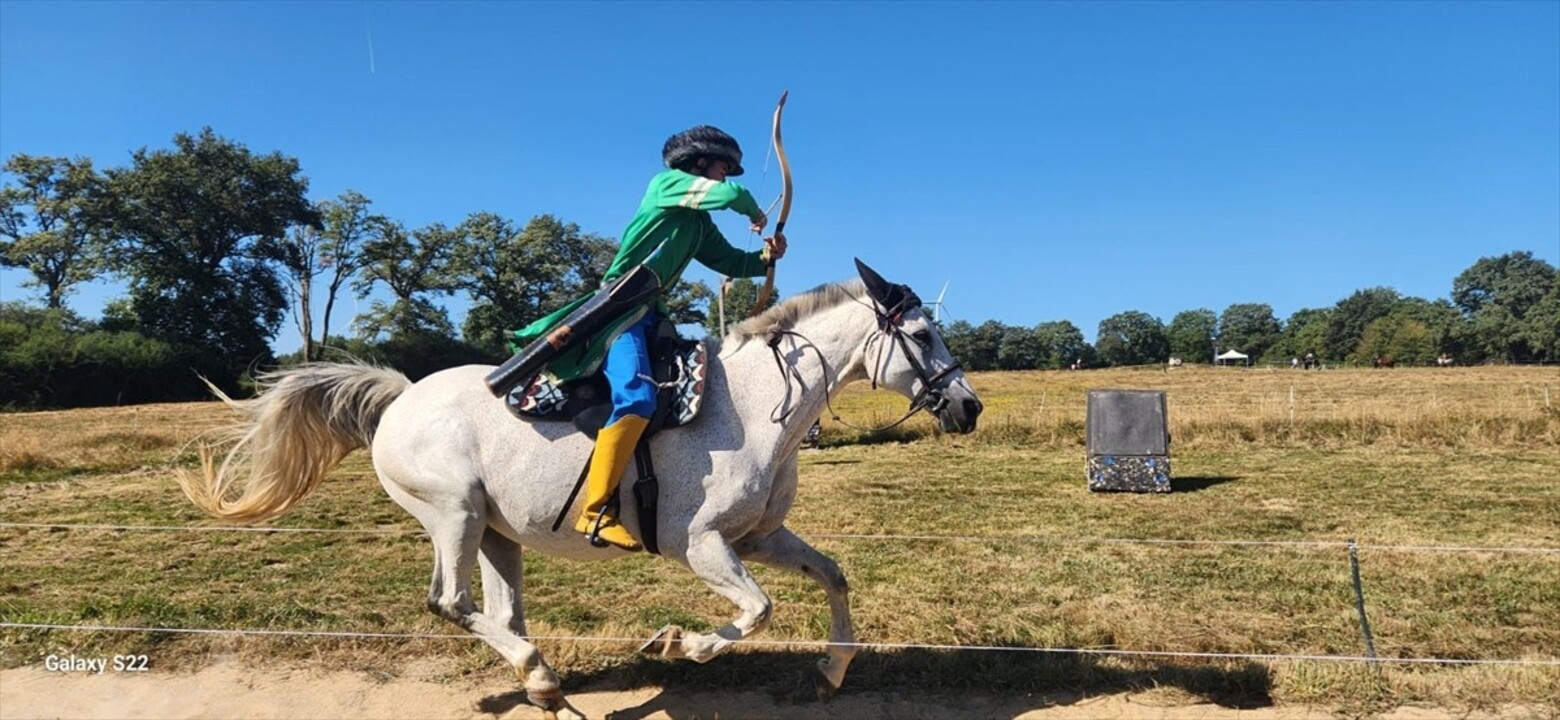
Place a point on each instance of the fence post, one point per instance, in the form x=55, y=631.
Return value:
x=1359, y=604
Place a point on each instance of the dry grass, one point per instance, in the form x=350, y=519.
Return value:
x=1391, y=458
x=1457, y=408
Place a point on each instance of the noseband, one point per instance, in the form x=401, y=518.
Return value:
x=929, y=397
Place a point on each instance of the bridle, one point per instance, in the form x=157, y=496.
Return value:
x=930, y=397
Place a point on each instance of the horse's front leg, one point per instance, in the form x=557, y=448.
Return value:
x=782, y=549
x=717, y=565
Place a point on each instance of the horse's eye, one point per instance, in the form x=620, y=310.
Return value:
x=922, y=338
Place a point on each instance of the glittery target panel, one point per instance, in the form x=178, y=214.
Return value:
x=1128, y=441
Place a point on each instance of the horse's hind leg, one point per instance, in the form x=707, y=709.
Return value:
x=503, y=574
x=718, y=566
x=784, y=550
x=458, y=526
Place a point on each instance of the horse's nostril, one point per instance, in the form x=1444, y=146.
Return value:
x=973, y=407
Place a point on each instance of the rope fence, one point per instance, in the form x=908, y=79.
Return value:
x=1350, y=545
x=1316, y=544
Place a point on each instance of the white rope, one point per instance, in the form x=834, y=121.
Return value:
x=807, y=643
x=1323, y=544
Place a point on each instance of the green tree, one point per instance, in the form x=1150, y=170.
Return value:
x=1497, y=294
x=1542, y=329
x=1191, y=334
x=415, y=267
x=740, y=295
x=1020, y=349
x=515, y=276
x=52, y=223
x=200, y=230
x=688, y=303
x=1305, y=332
x=1062, y=344
x=1249, y=327
x=1132, y=338
x=1346, y=324
x=347, y=225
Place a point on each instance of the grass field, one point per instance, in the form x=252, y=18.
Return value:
x=1399, y=460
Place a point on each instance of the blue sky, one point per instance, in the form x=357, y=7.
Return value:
x=1047, y=160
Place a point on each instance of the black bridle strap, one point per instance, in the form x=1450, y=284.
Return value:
x=916, y=404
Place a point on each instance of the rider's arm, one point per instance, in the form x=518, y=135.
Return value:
x=717, y=254
x=675, y=188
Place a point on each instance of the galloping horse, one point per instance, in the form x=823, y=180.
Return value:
x=484, y=484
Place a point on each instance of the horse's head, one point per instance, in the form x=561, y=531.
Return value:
x=909, y=356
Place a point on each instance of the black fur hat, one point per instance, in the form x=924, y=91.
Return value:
x=685, y=147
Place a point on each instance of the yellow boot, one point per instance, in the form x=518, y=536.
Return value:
x=614, y=448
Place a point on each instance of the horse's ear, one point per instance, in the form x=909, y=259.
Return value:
x=877, y=287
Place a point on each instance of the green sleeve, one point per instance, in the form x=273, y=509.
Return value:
x=717, y=254
x=675, y=188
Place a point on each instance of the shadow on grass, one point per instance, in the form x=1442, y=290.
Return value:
x=1193, y=484
x=937, y=683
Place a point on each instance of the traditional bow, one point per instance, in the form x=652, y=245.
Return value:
x=785, y=207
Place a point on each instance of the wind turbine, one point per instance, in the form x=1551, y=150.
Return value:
x=937, y=305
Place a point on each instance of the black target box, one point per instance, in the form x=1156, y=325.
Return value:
x=1128, y=443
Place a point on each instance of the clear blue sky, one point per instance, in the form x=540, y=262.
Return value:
x=1049, y=160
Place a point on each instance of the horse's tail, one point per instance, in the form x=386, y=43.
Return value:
x=304, y=420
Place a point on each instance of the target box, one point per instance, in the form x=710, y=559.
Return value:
x=1128, y=443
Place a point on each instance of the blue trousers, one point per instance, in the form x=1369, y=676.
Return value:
x=627, y=366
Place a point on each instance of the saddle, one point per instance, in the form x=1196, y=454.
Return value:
x=678, y=367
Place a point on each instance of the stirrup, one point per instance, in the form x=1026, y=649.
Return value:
x=594, y=536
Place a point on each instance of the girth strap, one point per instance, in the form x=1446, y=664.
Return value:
x=563, y=512
x=647, y=490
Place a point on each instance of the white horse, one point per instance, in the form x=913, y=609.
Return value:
x=484, y=483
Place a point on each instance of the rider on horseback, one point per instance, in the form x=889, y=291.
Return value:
x=671, y=229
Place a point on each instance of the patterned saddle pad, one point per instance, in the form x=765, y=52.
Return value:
x=679, y=370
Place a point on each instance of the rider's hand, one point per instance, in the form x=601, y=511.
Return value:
x=774, y=247
x=759, y=223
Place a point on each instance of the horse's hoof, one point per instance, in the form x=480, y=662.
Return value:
x=667, y=642
x=548, y=700
x=826, y=690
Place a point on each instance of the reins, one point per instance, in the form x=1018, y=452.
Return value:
x=929, y=397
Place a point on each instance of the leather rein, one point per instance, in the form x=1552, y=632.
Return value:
x=930, y=397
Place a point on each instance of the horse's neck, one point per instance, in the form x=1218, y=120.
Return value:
x=824, y=353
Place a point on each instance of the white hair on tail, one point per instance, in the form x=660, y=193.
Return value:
x=300, y=424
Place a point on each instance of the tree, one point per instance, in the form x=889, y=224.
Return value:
x=1542, y=330
x=413, y=266
x=1248, y=327
x=515, y=276
x=1132, y=338
x=1346, y=325
x=1305, y=332
x=53, y=219
x=1498, y=294
x=200, y=230
x=347, y=226
x=1020, y=349
x=740, y=293
x=1062, y=344
x=1191, y=335
x=688, y=303
x=300, y=263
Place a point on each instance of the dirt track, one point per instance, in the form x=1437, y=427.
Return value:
x=229, y=690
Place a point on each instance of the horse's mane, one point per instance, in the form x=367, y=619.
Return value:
x=794, y=308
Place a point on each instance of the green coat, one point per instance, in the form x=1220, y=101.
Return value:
x=671, y=229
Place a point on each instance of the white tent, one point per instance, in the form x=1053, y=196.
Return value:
x=1229, y=356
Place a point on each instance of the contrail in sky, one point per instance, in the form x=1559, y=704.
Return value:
x=371, y=52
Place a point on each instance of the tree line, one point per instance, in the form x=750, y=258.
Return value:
x=218, y=246
x=1503, y=309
